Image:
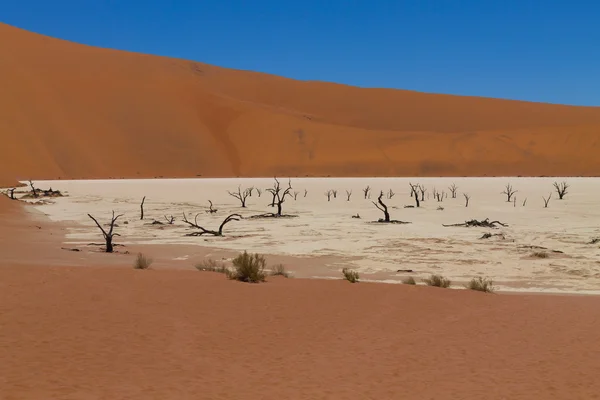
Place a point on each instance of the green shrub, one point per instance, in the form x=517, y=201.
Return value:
x=142, y=262
x=350, y=275
x=279, y=270
x=409, y=281
x=437, y=281
x=249, y=268
x=481, y=284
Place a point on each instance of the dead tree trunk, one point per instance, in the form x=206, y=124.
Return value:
x=211, y=209
x=259, y=191
x=241, y=196
x=142, y=208
x=366, y=191
x=334, y=194
x=525, y=202
x=108, y=236
x=423, y=191
x=453, y=190
x=250, y=190
x=383, y=208
x=328, y=194
x=467, y=198
x=34, y=191
x=11, y=193
x=561, y=189
x=509, y=192
x=348, y=195
x=203, y=231
x=547, y=200
x=415, y=193
x=305, y=192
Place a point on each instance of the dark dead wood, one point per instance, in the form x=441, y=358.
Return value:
x=390, y=194
x=259, y=192
x=509, y=192
x=490, y=235
x=170, y=219
x=305, y=192
x=296, y=195
x=34, y=191
x=453, y=188
x=414, y=190
x=486, y=223
x=404, y=270
x=357, y=216
x=240, y=195
x=467, y=198
x=348, y=195
x=547, y=200
x=328, y=195
x=204, y=231
x=381, y=206
x=561, y=189
x=334, y=193
x=108, y=236
x=142, y=208
x=212, y=210
x=366, y=191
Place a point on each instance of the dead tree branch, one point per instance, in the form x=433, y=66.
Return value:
x=259, y=191
x=108, y=236
x=561, y=189
x=348, y=194
x=334, y=194
x=211, y=210
x=423, y=191
x=170, y=219
x=390, y=194
x=328, y=194
x=203, y=231
x=250, y=190
x=486, y=223
x=547, y=200
x=305, y=192
x=414, y=193
x=142, y=208
x=467, y=198
x=241, y=196
x=296, y=195
x=34, y=191
x=509, y=192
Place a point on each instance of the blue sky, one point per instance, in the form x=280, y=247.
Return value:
x=545, y=51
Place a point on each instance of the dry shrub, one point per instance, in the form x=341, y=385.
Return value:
x=279, y=270
x=350, y=275
x=437, y=281
x=213, y=266
x=481, y=284
x=409, y=281
x=540, y=254
x=249, y=268
x=142, y=262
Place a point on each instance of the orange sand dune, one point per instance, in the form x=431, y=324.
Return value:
x=74, y=111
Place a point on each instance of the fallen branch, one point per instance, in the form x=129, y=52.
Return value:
x=486, y=223
x=203, y=231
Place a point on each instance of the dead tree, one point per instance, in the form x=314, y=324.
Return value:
x=414, y=191
x=296, y=195
x=453, y=190
x=241, y=196
x=203, y=231
x=440, y=196
x=142, y=208
x=383, y=208
x=486, y=223
x=525, y=202
x=34, y=191
x=108, y=236
x=279, y=195
x=509, y=192
x=467, y=198
x=423, y=190
x=348, y=194
x=170, y=219
x=250, y=190
x=561, y=189
x=11, y=193
x=211, y=210
x=547, y=200
x=328, y=194
x=334, y=194
x=366, y=191
x=305, y=192
x=259, y=192
x=390, y=194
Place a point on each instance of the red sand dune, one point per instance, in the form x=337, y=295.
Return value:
x=74, y=111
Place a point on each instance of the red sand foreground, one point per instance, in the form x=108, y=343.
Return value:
x=75, y=111
x=117, y=333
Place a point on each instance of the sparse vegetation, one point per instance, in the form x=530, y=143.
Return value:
x=481, y=284
x=350, y=275
x=249, y=268
x=561, y=189
x=279, y=270
x=409, y=281
x=540, y=254
x=509, y=192
x=211, y=265
x=142, y=262
x=437, y=281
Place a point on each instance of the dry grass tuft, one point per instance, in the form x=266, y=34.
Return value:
x=279, y=270
x=142, y=262
x=481, y=284
x=211, y=265
x=540, y=254
x=350, y=275
x=437, y=281
x=409, y=281
x=249, y=268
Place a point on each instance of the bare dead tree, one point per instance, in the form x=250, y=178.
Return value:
x=305, y=192
x=142, y=208
x=108, y=236
x=250, y=190
x=259, y=192
x=203, y=231
x=467, y=198
x=296, y=195
x=414, y=190
x=440, y=196
x=509, y=192
x=348, y=194
x=34, y=191
x=211, y=210
x=561, y=189
x=334, y=193
x=328, y=194
x=279, y=195
x=390, y=194
x=453, y=188
x=547, y=200
x=525, y=202
x=383, y=208
x=435, y=194
x=366, y=191
x=423, y=190
x=241, y=196
x=11, y=193
x=170, y=219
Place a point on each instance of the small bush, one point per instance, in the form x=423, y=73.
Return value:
x=540, y=254
x=213, y=266
x=249, y=268
x=279, y=270
x=437, y=281
x=409, y=281
x=142, y=262
x=350, y=275
x=481, y=284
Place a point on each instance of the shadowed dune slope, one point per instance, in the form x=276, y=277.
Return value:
x=74, y=111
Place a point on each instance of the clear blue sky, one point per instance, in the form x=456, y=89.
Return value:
x=530, y=50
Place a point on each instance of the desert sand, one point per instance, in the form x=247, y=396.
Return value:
x=71, y=111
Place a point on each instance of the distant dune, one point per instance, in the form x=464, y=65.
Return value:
x=74, y=111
